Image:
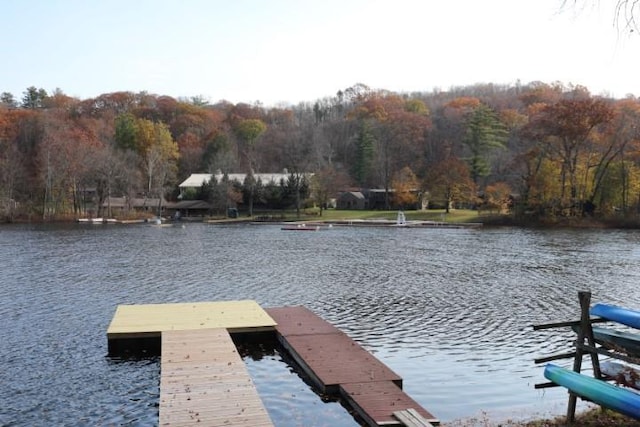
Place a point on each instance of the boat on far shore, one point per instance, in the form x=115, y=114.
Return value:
x=301, y=227
x=97, y=220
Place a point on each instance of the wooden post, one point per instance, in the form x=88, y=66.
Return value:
x=585, y=332
x=585, y=301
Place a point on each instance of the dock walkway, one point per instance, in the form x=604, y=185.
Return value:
x=205, y=382
x=338, y=365
x=203, y=379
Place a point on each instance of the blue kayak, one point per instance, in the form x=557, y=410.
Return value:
x=617, y=314
x=619, y=399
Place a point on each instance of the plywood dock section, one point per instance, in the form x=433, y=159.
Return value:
x=205, y=382
x=338, y=365
x=148, y=320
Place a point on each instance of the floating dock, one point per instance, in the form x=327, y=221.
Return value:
x=137, y=328
x=338, y=365
x=204, y=381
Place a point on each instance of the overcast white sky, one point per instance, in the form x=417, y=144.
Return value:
x=288, y=51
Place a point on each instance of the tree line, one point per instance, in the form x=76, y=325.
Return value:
x=540, y=149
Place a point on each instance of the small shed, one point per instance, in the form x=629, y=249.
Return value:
x=126, y=204
x=351, y=200
x=188, y=208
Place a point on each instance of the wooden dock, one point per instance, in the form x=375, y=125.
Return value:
x=205, y=382
x=137, y=328
x=338, y=365
x=203, y=379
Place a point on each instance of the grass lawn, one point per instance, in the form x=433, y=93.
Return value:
x=457, y=215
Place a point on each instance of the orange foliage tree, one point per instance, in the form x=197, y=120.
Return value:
x=405, y=188
x=449, y=182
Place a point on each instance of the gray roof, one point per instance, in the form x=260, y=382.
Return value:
x=197, y=179
x=356, y=194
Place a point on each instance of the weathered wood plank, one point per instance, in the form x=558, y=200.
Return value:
x=338, y=365
x=555, y=357
x=130, y=321
x=204, y=382
x=566, y=323
x=376, y=402
x=337, y=359
x=411, y=418
x=300, y=320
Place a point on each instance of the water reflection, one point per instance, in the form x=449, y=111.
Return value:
x=449, y=310
x=288, y=395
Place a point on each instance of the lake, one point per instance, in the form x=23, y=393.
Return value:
x=450, y=310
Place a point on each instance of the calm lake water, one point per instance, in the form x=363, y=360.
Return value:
x=450, y=310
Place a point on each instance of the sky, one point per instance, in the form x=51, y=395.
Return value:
x=280, y=52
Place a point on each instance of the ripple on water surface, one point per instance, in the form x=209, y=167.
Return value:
x=449, y=310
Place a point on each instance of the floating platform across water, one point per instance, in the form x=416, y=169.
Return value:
x=204, y=381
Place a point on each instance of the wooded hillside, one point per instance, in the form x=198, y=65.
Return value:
x=545, y=149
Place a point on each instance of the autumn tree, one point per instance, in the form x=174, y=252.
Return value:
x=405, y=186
x=612, y=165
x=58, y=99
x=159, y=154
x=194, y=128
x=449, y=128
x=116, y=173
x=449, y=182
x=325, y=183
x=12, y=167
x=497, y=197
x=63, y=163
x=399, y=127
x=565, y=128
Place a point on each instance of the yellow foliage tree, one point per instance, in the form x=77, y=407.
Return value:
x=159, y=153
x=405, y=186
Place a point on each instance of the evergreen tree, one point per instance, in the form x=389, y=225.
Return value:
x=33, y=98
x=364, y=154
x=485, y=133
x=126, y=130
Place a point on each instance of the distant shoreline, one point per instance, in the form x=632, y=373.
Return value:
x=455, y=217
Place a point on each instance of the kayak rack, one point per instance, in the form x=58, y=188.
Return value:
x=594, y=343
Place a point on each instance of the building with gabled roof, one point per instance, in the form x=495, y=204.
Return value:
x=196, y=180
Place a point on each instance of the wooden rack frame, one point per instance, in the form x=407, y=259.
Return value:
x=585, y=344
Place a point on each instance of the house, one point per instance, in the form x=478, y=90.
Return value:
x=196, y=180
x=376, y=198
x=351, y=200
